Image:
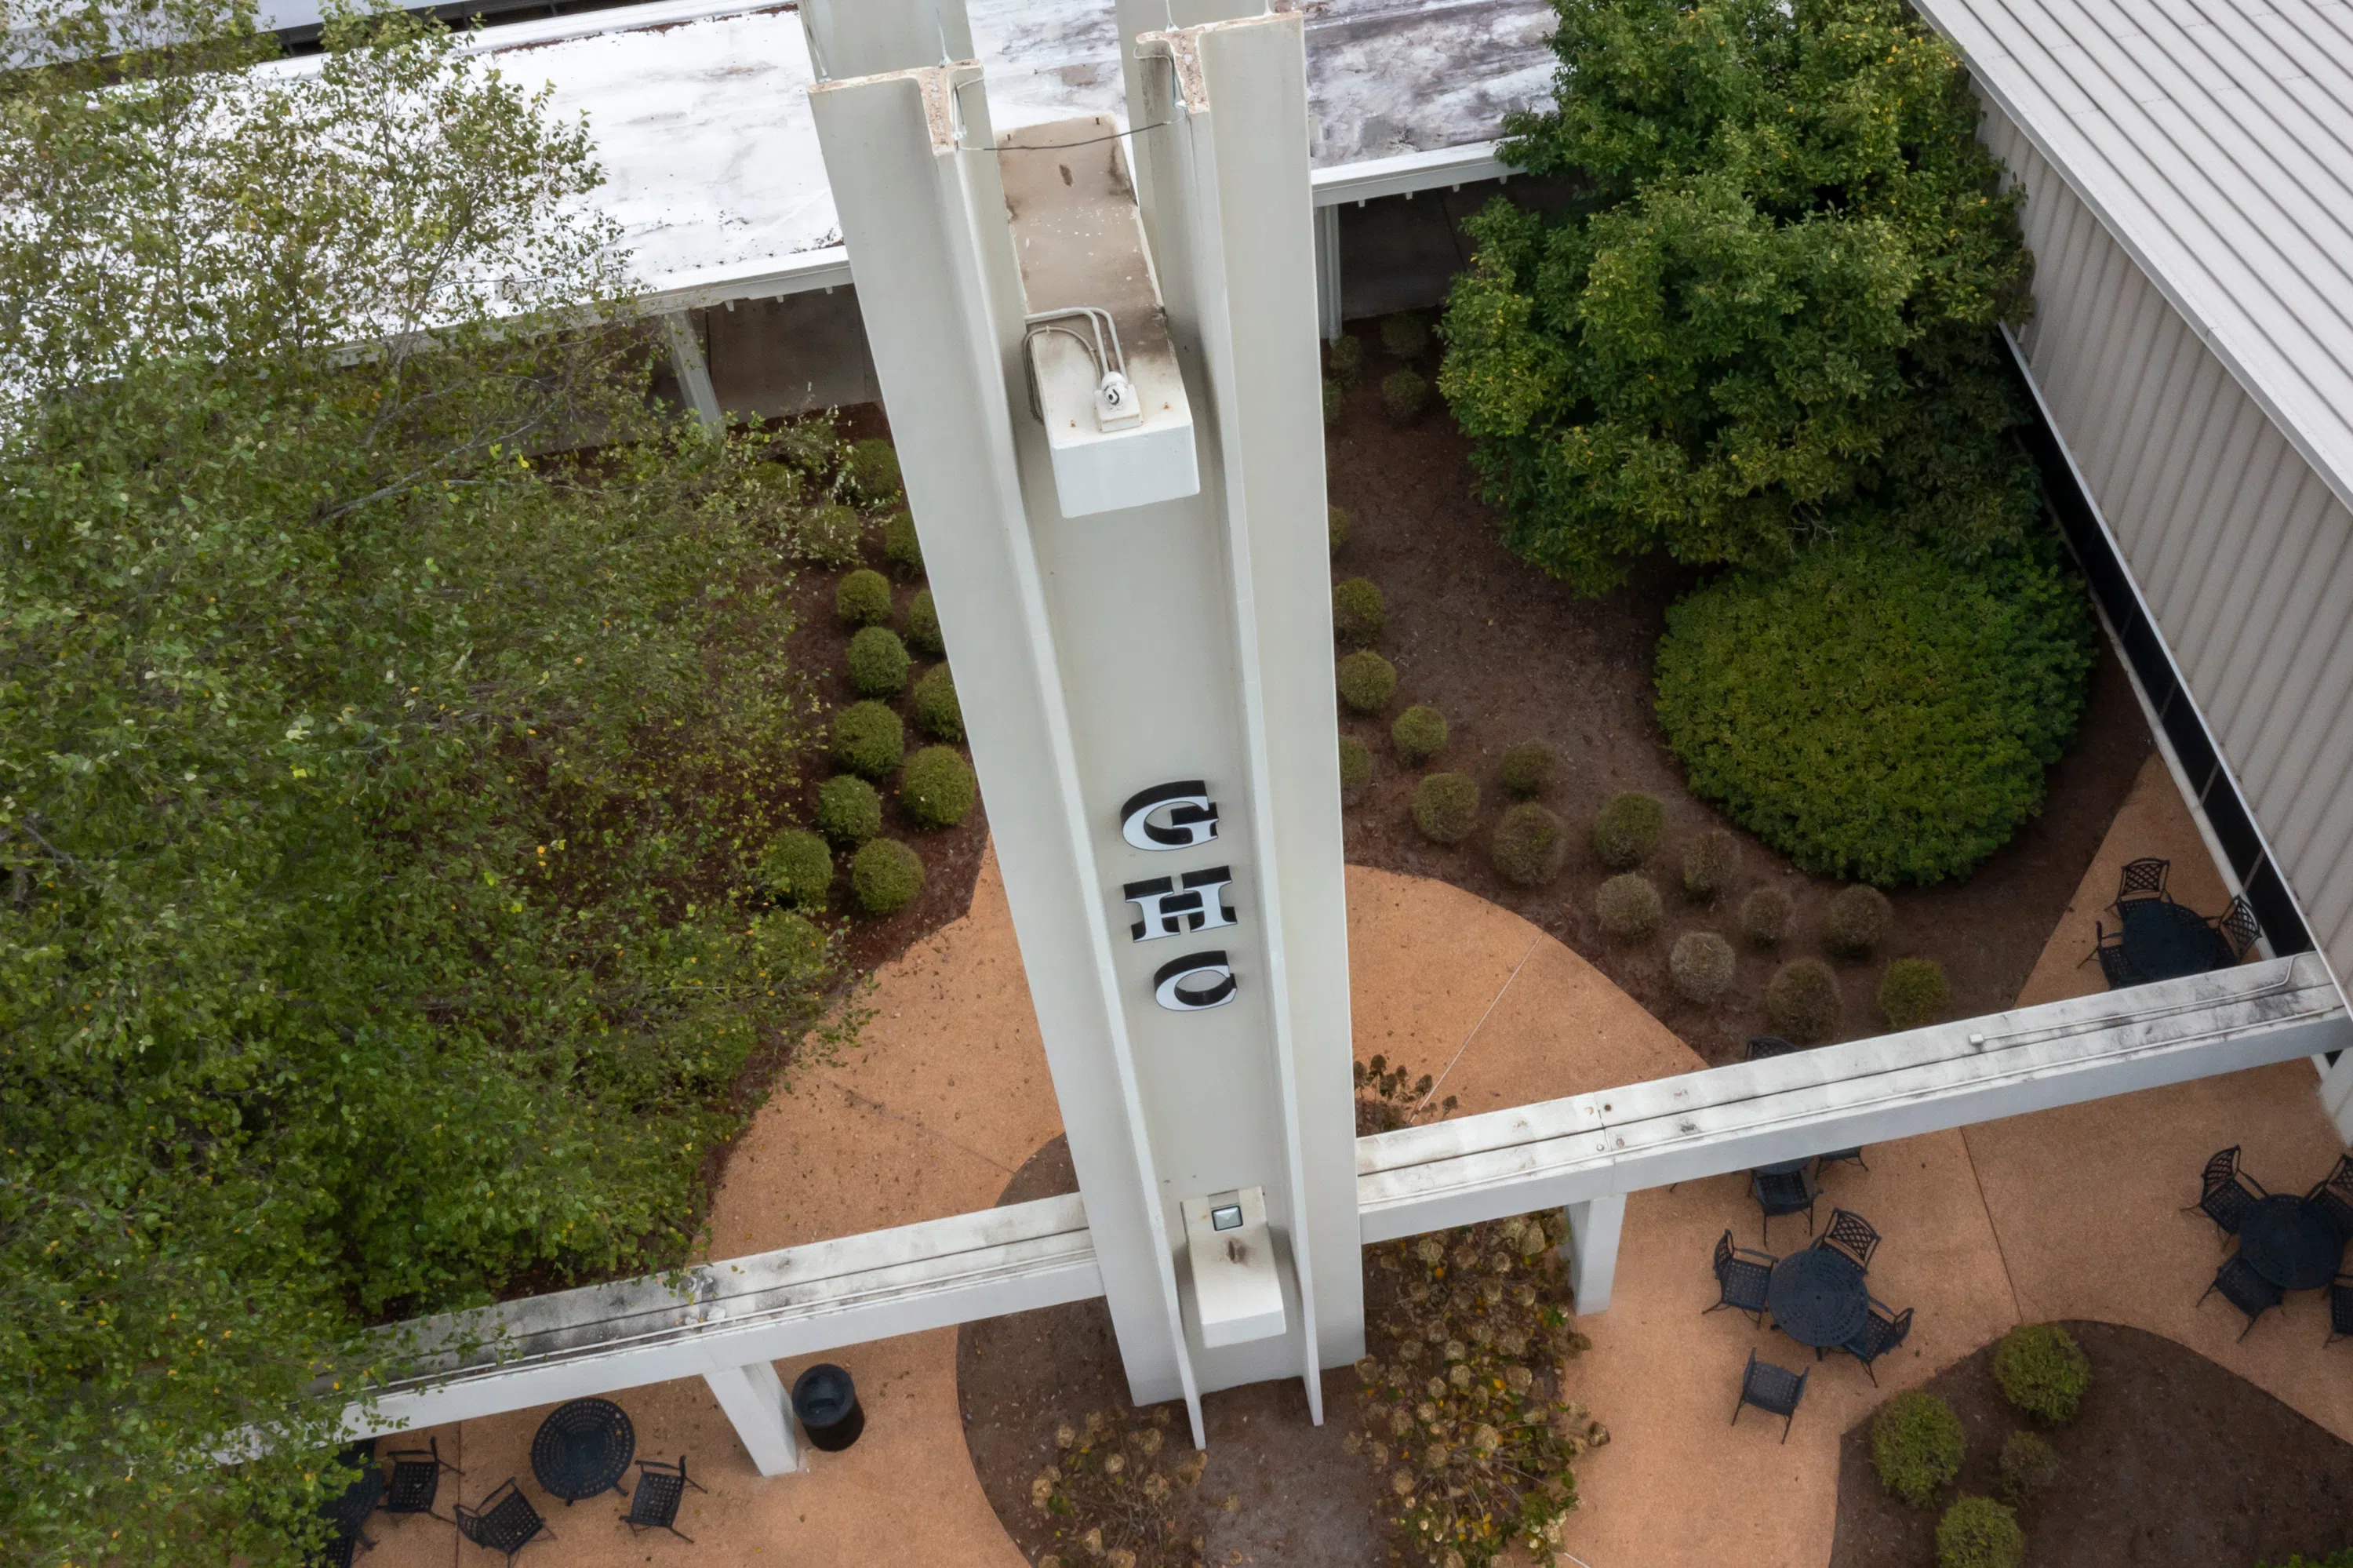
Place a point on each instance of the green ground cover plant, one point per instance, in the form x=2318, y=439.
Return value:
x=936, y=788
x=1355, y=770
x=1978, y=1532
x=863, y=598
x=2042, y=1372
x=1530, y=845
x=1418, y=734
x=1916, y=1446
x=848, y=809
x=383, y=792
x=933, y=705
x=924, y=626
x=1913, y=994
x=1629, y=907
x=1802, y=1000
x=1526, y=769
x=885, y=877
x=869, y=739
x=1877, y=711
x=1366, y=681
x=1765, y=916
x=877, y=662
x=1710, y=859
x=869, y=472
x=1446, y=807
x=799, y=869
x=1359, y=612
x=900, y=545
x=1700, y=966
x=1627, y=828
x=1770, y=313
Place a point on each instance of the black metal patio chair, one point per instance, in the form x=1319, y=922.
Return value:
x=661, y=1488
x=505, y=1522
x=2242, y=1287
x=1850, y=1236
x=1772, y=1389
x=2333, y=1196
x=2225, y=1192
x=416, y=1479
x=1836, y=1156
x=2340, y=1309
x=1742, y=1277
x=1761, y=1046
x=1784, y=1192
x=2142, y=879
x=1882, y=1331
x=338, y=1552
x=2115, y=965
x=2237, y=928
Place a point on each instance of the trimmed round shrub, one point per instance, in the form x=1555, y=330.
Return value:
x=1346, y=357
x=1527, y=768
x=1529, y=846
x=1765, y=916
x=2029, y=1465
x=885, y=877
x=1359, y=612
x=900, y=548
x=870, y=471
x=1916, y=1444
x=1334, y=403
x=2041, y=1369
x=1355, y=770
x=848, y=809
x=1709, y=862
x=1628, y=907
x=1700, y=966
x=829, y=535
x=1912, y=992
x=863, y=598
x=1405, y=335
x=869, y=739
x=1978, y=1532
x=1857, y=922
x=1802, y=1001
x=1418, y=734
x=1404, y=395
x=797, y=869
x=1366, y=682
x=936, y=788
x=877, y=663
x=1446, y=807
x=1875, y=711
x=934, y=707
x=1626, y=829
x=924, y=626
x=1337, y=521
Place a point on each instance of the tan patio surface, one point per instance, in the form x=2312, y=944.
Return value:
x=2064, y=1214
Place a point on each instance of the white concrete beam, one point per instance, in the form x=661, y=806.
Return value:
x=685, y=339
x=755, y=1401
x=1594, y=1228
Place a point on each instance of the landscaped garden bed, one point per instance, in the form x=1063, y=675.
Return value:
x=2171, y=1458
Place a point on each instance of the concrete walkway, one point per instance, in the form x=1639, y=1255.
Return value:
x=2068, y=1213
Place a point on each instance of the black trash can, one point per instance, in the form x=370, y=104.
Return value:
x=827, y=1403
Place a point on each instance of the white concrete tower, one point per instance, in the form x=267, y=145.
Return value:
x=1113, y=450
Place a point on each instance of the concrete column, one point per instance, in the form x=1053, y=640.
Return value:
x=2336, y=1091
x=754, y=1398
x=692, y=370
x=1593, y=1231
x=1328, y=271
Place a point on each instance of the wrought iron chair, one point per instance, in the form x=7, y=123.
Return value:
x=2237, y=928
x=2115, y=966
x=2142, y=879
x=1784, y=1192
x=2340, y=1309
x=1850, y=1236
x=505, y=1522
x=2225, y=1192
x=339, y=1551
x=661, y=1488
x=1761, y=1046
x=1853, y=1156
x=1742, y=1277
x=1882, y=1331
x=2333, y=1196
x=2242, y=1287
x=416, y=1479
x=1772, y=1389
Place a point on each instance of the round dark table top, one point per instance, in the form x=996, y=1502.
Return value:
x=349, y=1510
x=2166, y=941
x=1785, y=1166
x=1818, y=1298
x=2290, y=1242
x=582, y=1448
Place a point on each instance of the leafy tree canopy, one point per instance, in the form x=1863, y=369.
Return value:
x=1769, y=312
x=376, y=782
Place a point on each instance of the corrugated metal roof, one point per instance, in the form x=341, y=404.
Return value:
x=2214, y=138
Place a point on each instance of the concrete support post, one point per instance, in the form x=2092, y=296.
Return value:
x=1593, y=1231
x=2337, y=1092
x=1327, y=272
x=693, y=372
x=754, y=1398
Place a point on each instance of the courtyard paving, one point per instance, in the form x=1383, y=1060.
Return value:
x=2065, y=1214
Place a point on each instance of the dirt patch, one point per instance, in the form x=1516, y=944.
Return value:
x=1509, y=655
x=2174, y=1460
x=1298, y=1498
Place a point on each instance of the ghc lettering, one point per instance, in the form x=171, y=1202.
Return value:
x=1176, y=817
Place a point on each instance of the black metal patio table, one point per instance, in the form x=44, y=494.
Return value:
x=584, y=1447
x=1785, y=1166
x=348, y=1510
x=2289, y=1241
x=1818, y=1298
x=2165, y=940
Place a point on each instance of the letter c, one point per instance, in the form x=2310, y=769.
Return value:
x=1194, y=983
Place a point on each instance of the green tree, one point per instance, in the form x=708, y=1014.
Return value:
x=1770, y=313
x=380, y=787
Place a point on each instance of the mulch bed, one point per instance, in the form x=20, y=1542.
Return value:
x=1509, y=655
x=2174, y=1460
